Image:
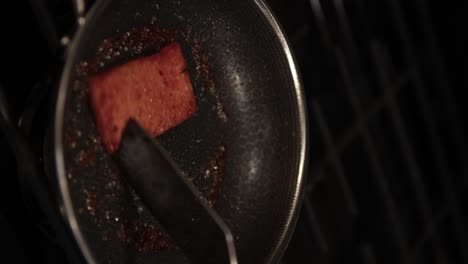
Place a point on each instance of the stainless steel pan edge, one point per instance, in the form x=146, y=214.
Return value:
x=66, y=206
x=303, y=137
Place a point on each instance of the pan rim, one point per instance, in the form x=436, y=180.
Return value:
x=297, y=195
x=65, y=203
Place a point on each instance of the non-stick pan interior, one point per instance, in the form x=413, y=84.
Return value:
x=259, y=133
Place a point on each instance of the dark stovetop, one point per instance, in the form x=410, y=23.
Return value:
x=24, y=60
x=388, y=170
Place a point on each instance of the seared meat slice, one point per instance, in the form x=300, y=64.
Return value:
x=154, y=90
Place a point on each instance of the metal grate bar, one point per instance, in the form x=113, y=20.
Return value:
x=347, y=32
x=440, y=72
x=322, y=23
x=368, y=254
x=354, y=131
x=399, y=235
x=375, y=107
x=300, y=33
x=371, y=112
x=46, y=24
x=315, y=226
x=427, y=234
x=337, y=164
x=416, y=180
x=445, y=179
x=440, y=155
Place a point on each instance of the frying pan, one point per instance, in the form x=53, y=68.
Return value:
x=250, y=123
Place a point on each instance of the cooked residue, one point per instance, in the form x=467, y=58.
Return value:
x=86, y=157
x=70, y=138
x=215, y=171
x=89, y=167
x=134, y=43
x=207, y=75
x=144, y=237
x=92, y=204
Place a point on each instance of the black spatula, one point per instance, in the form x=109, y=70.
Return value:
x=173, y=200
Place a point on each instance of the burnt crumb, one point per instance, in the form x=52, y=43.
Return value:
x=70, y=138
x=86, y=157
x=107, y=235
x=92, y=204
x=215, y=171
x=71, y=173
x=144, y=237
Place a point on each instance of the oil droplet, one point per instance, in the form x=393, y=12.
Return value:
x=207, y=174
